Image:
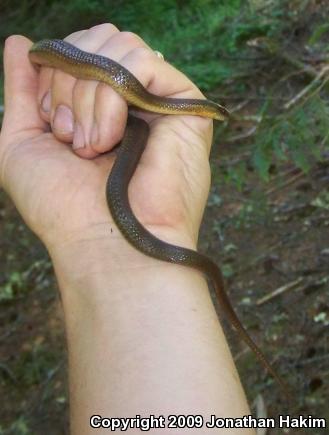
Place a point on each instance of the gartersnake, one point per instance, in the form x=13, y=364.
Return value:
x=82, y=65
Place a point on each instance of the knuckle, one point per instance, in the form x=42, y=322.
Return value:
x=8, y=41
x=105, y=26
x=79, y=89
x=130, y=38
x=74, y=36
x=107, y=139
x=142, y=53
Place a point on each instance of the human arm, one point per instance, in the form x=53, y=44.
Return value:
x=134, y=314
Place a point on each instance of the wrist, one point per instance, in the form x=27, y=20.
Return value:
x=104, y=249
x=104, y=275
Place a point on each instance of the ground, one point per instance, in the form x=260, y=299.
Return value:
x=266, y=236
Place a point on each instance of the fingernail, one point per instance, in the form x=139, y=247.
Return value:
x=63, y=119
x=94, y=134
x=78, y=138
x=46, y=102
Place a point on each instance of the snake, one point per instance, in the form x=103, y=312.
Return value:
x=60, y=54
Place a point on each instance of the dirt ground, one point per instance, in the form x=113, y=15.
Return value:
x=272, y=241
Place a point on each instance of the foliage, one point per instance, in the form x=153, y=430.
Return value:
x=18, y=427
x=294, y=136
x=212, y=42
x=34, y=365
x=14, y=284
x=18, y=282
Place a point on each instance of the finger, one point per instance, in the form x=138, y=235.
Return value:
x=60, y=116
x=104, y=126
x=21, y=83
x=159, y=76
x=45, y=80
x=64, y=93
x=64, y=125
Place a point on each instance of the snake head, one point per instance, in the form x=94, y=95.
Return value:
x=221, y=113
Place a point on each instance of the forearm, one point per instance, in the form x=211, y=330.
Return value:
x=143, y=338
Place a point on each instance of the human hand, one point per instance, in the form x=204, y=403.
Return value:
x=59, y=186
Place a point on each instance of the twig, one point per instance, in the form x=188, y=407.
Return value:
x=291, y=60
x=284, y=173
x=308, y=88
x=241, y=353
x=244, y=135
x=224, y=162
x=279, y=291
x=287, y=183
x=247, y=118
x=277, y=52
x=317, y=90
x=324, y=139
x=314, y=360
x=239, y=106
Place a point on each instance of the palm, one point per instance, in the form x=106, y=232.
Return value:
x=73, y=188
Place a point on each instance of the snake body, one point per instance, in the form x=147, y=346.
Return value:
x=82, y=65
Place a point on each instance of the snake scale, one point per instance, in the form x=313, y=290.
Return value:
x=59, y=54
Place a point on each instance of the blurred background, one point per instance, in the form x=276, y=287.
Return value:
x=267, y=219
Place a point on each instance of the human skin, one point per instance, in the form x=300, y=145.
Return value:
x=143, y=336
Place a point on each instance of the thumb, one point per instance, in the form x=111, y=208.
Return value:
x=21, y=119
